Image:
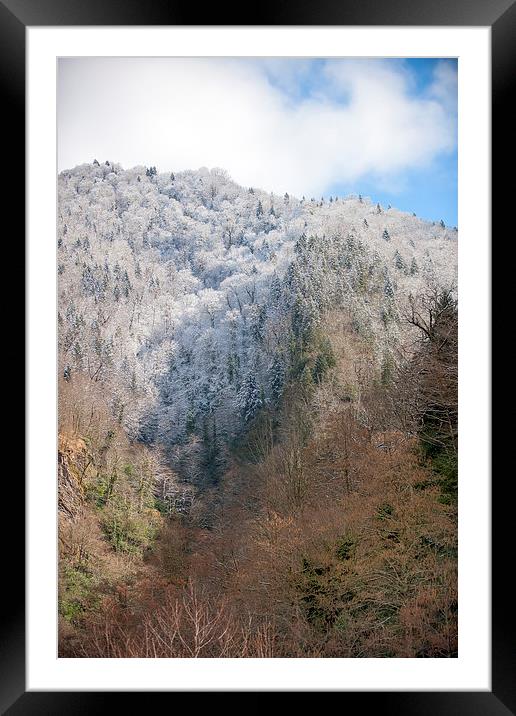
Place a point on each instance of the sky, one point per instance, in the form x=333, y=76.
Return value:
x=383, y=128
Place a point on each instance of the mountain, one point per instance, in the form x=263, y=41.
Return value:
x=186, y=293
x=257, y=421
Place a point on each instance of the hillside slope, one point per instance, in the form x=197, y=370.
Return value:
x=186, y=294
x=257, y=422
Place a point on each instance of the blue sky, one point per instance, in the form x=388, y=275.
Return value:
x=431, y=193
x=385, y=128
x=429, y=190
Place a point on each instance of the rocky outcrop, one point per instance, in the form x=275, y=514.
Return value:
x=73, y=461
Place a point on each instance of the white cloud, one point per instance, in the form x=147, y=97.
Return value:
x=361, y=119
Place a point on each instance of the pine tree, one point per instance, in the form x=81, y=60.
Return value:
x=257, y=327
x=300, y=246
x=277, y=379
x=275, y=291
x=126, y=284
x=212, y=461
x=386, y=235
x=388, y=288
x=249, y=397
x=398, y=261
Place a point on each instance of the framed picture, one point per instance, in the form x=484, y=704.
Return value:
x=242, y=460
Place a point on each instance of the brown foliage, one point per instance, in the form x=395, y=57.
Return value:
x=326, y=537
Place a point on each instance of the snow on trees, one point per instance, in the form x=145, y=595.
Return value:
x=249, y=397
x=182, y=292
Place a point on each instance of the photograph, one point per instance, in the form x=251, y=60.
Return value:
x=257, y=360
x=259, y=293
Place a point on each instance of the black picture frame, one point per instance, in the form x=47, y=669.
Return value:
x=500, y=16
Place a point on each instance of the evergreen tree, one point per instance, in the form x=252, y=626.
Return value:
x=388, y=287
x=212, y=458
x=275, y=291
x=258, y=324
x=277, y=379
x=250, y=399
x=398, y=261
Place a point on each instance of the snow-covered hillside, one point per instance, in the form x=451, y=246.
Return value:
x=186, y=293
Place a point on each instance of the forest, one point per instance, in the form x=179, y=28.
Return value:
x=257, y=449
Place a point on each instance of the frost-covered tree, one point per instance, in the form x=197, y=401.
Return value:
x=277, y=379
x=250, y=399
x=399, y=263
